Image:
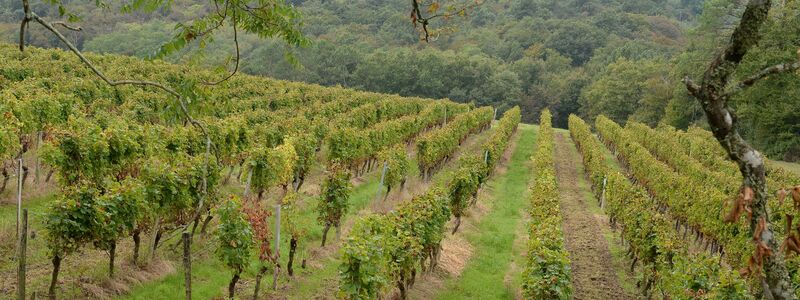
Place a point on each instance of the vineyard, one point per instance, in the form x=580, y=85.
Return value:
x=282, y=190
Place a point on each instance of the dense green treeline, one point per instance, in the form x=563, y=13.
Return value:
x=620, y=58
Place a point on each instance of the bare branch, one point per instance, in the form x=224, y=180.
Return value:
x=416, y=17
x=67, y=26
x=27, y=18
x=693, y=88
x=776, y=69
x=238, y=55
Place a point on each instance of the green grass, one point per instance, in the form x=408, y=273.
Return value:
x=207, y=278
x=484, y=275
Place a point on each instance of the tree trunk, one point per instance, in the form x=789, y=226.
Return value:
x=156, y=236
x=5, y=180
x=292, y=249
x=112, y=251
x=54, y=278
x=325, y=233
x=232, y=284
x=458, y=223
x=401, y=284
x=195, y=222
x=259, y=276
x=205, y=224
x=300, y=180
x=156, y=242
x=24, y=174
x=137, y=241
x=713, y=97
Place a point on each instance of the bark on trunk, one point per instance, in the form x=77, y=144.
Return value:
x=292, y=249
x=259, y=276
x=5, y=180
x=325, y=234
x=232, y=284
x=205, y=224
x=458, y=223
x=54, y=278
x=112, y=251
x=137, y=242
x=401, y=284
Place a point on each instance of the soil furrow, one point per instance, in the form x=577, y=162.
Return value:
x=593, y=273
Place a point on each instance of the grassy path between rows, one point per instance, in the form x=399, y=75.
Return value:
x=486, y=275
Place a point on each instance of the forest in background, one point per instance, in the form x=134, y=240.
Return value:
x=620, y=58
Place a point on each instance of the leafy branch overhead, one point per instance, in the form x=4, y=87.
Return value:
x=425, y=11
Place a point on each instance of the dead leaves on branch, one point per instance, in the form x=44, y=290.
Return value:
x=790, y=245
x=756, y=261
x=795, y=192
x=792, y=242
x=741, y=205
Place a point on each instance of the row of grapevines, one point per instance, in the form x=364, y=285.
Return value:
x=668, y=269
x=497, y=143
x=385, y=251
x=670, y=151
x=547, y=269
x=665, y=144
x=434, y=147
x=351, y=146
x=473, y=170
x=702, y=146
x=699, y=206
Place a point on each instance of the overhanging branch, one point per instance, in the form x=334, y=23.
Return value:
x=30, y=16
x=238, y=55
x=67, y=26
x=766, y=72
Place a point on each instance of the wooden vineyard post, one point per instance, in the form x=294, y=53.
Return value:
x=187, y=264
x=494, y=117
x=486, y=163
x=19, y=195
x=603, y=193
x=277, y=246
x=21, y=253
x=380, y=185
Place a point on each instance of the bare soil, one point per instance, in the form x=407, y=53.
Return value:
x=593, y=268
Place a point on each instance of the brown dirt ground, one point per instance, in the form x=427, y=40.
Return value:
x=593, y=273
